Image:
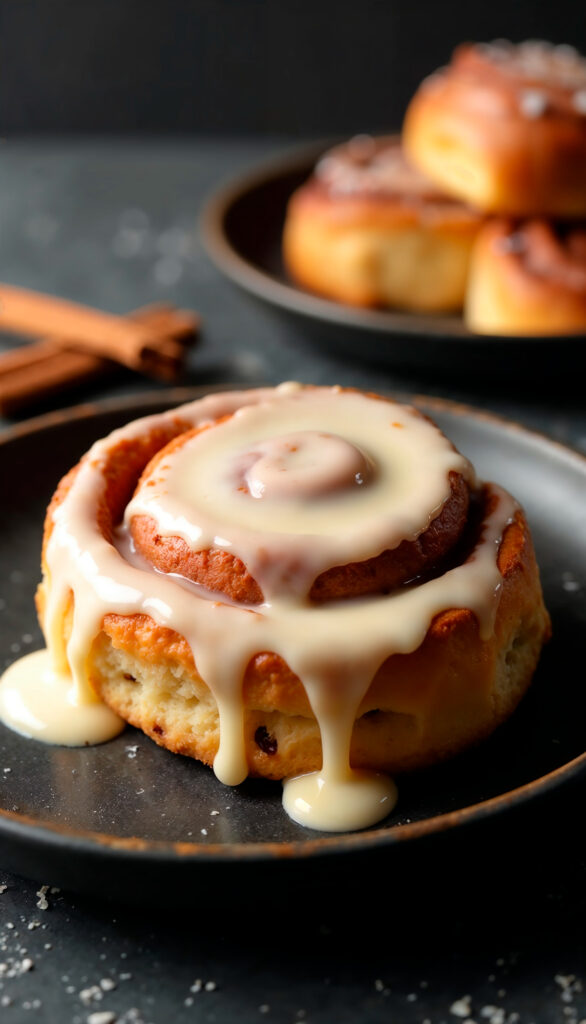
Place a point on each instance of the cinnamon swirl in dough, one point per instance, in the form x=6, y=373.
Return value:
x=528, y=277
x=367, y=229
x=181, y=559
x=503, y=127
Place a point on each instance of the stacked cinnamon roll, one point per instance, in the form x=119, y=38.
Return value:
x=499, y=139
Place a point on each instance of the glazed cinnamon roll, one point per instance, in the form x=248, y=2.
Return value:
x=503, y=127
x=369, y=230
x=290, y=581
x=528, y=278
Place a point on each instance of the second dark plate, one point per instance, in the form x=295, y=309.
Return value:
x=242, y=226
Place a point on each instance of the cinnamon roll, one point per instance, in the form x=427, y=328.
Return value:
x=503, y=127
x=289, y=581
x=528, y=278
x=369, y=230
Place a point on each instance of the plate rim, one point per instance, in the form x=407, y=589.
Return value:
x=86, y=842
x=287, y=297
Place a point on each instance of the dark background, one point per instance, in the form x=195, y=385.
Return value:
x=278, y=67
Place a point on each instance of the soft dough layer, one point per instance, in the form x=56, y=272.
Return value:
x=421, y=707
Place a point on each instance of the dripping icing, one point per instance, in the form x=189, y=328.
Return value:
x=349, y=639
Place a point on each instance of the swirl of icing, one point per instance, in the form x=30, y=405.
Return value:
x=304, y=465
x=363, y=478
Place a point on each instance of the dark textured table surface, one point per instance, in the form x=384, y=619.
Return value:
x=486, y=927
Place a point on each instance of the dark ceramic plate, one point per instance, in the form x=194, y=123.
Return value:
x=242, y=227
x=112, y=818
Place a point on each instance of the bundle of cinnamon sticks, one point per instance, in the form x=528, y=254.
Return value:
x=74, y=344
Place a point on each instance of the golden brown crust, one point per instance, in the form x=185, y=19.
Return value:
x=376, y=241
x=421, y=707
x=126, y=463
x=503, y=127
x=527, y=278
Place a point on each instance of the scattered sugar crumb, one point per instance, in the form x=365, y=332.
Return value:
x=493, y=1014
x=532, y=103
x=564, y=980
x=210, y=986
x=91, y=994
x=570, y=583
x=461, y=1007
x=102, y=1017
x=42, y=902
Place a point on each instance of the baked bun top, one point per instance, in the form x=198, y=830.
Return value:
x=374, y=169
x=532, y=79
x=376, y=166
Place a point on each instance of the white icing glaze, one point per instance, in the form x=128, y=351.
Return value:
x=287, y=540
x=40, y=702
x=334, y=648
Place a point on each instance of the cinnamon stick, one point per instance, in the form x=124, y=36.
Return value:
x=131, y=341
x=38, y=370
x=42, y=370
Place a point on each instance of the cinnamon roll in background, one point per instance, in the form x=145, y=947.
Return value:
x=503, y=127
x=290, y=581
x=369, y=230
x=392, y=221
x=528, y=277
